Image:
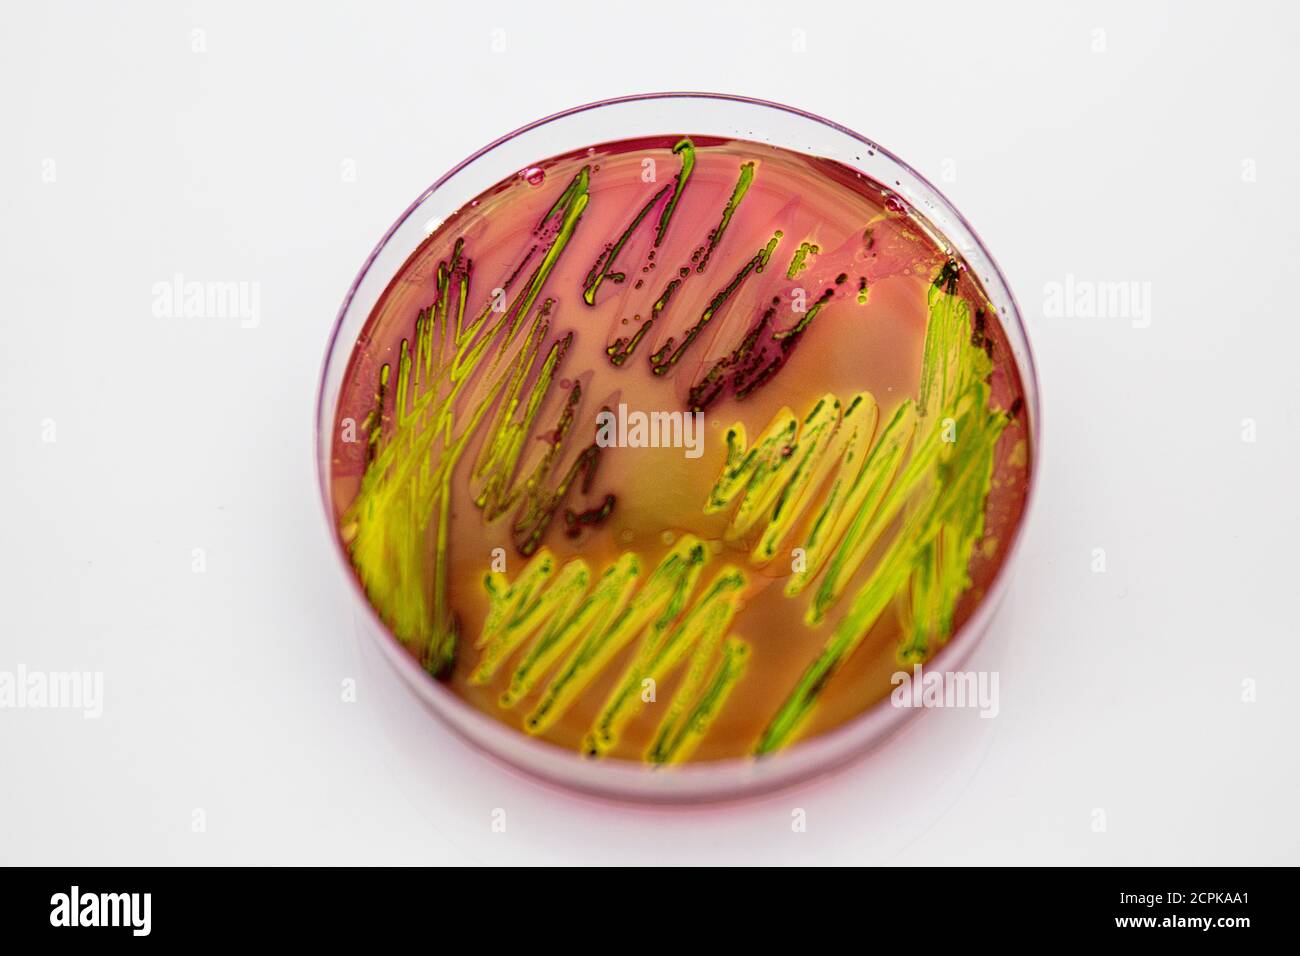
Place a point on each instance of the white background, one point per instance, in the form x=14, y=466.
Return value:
x=1120, y=691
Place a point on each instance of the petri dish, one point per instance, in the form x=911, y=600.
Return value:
x=660, y=436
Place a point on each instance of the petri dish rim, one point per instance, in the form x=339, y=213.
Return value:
x=713, y=780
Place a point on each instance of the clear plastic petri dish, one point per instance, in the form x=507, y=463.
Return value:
x=673, y=136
